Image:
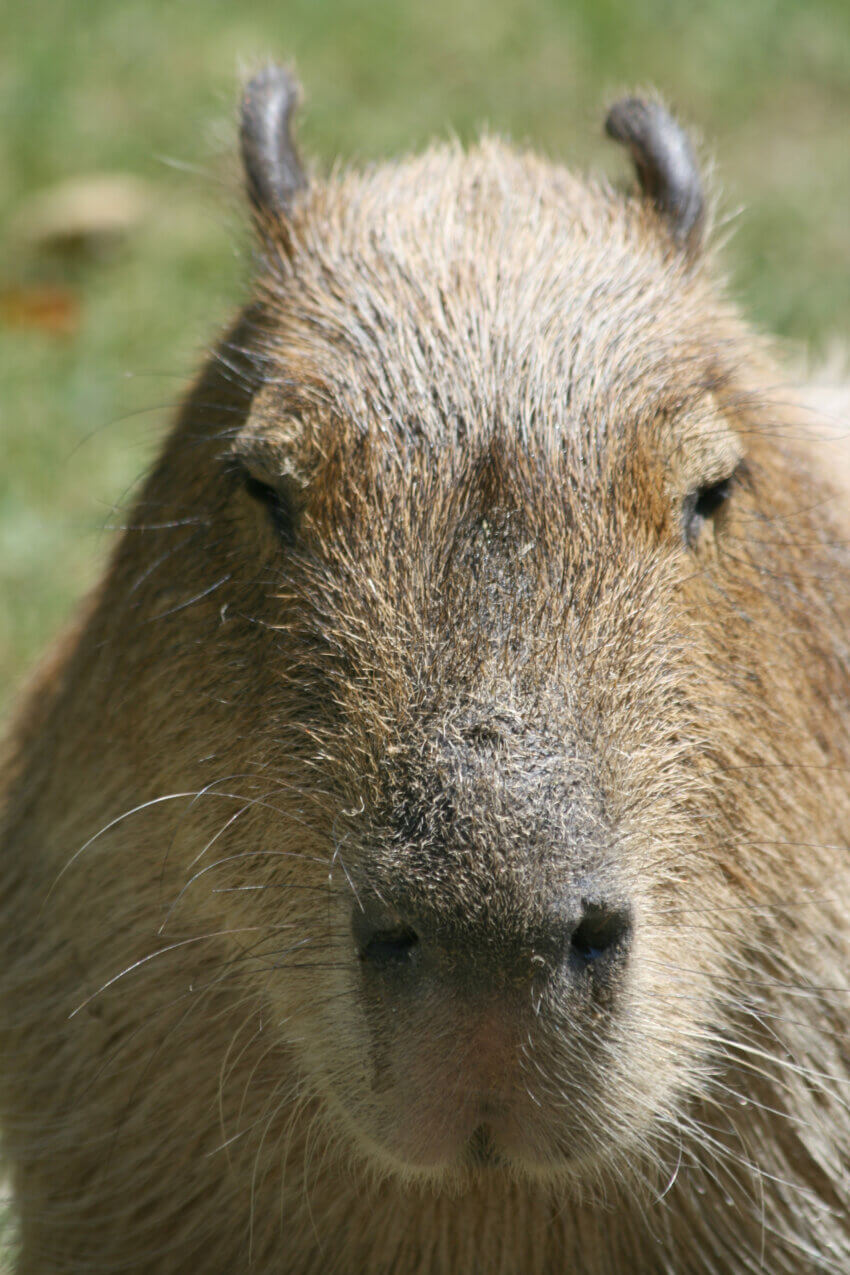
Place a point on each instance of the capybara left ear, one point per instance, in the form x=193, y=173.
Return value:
x=666, y=166
x=273, y=172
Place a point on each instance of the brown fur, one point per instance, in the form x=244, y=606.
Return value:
x=478, y=658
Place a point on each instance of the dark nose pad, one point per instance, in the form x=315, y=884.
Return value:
x=590, y=937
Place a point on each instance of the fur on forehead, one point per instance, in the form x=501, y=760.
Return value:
x=439, y=295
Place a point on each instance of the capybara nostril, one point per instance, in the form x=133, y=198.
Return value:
x=383, y=946
x=390, y=947
x=602, y=932
x=383, y=939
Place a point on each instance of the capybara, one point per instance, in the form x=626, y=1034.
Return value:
x=429, y=850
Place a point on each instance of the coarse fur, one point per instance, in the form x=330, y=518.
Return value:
x=417, y=606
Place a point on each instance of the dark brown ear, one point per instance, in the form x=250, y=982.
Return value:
x=666, y=166
x=273, y=172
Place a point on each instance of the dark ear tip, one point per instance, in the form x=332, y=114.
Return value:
x=666, y=166
x=274, y=88
x=630, y=116
x=273, y=171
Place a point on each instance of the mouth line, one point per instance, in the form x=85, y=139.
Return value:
x=480, y=1150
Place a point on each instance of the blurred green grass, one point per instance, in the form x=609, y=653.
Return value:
x=149, y=87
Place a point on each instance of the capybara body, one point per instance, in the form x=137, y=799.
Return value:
x=429, y=852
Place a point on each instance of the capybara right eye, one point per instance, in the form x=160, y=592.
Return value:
x=273, y=501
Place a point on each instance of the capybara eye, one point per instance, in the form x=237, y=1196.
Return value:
x=274, y=500
x=703, y=504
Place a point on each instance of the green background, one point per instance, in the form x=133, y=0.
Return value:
x=150, y=88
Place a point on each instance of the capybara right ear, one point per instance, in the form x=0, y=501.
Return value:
x=667, y=170
x=273, y=172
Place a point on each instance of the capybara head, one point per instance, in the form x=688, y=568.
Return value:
x=468, y=693
x=501, y=498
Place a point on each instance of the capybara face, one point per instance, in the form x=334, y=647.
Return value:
x=490, y=498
